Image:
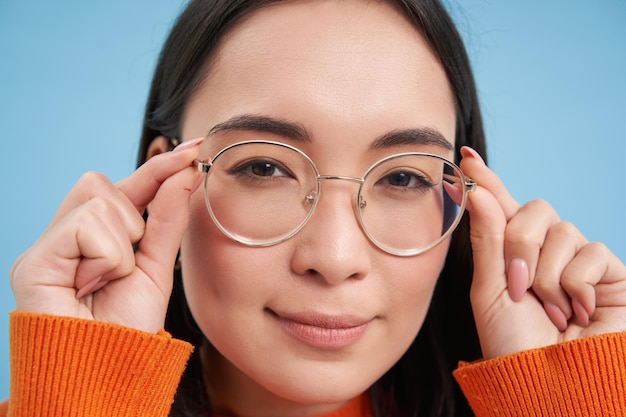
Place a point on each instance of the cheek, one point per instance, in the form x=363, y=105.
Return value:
x=217, y=284
x=410, y=290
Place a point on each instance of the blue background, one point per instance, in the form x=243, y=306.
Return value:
x=74, y=77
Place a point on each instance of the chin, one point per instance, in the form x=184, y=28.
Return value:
x=324, y=382
x=328, y=392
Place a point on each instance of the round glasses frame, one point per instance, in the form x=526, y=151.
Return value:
x=467, y=184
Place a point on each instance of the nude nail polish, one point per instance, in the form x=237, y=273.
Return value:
x=581, y=313
x=88, y=287
x=466, y=152
x=556, y=315
x=188, y=144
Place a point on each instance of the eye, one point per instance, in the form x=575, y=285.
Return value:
x=406, y=180
x=262, y=168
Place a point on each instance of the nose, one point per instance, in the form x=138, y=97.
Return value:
x=332, y=247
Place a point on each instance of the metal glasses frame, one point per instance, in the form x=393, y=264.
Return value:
x=468, y=184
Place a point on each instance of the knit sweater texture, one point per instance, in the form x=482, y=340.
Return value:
x=69, y=367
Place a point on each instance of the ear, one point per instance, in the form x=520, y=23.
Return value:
x=159, y=145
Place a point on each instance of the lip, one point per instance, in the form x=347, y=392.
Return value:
x=321, y=330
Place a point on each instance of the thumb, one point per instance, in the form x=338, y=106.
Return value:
x=491, y=208
x=167, y=220
x=487, y=226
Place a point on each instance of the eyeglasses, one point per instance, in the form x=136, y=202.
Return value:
x=261, y=193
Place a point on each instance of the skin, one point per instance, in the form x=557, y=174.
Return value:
x=350, y=89
x=537, y=281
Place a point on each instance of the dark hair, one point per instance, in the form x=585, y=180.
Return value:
x=420, y=383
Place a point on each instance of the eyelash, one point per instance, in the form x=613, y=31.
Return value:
x=423, y=184
x=247, y=169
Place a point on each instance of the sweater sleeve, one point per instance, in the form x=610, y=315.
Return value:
x=62, y=366
x=584, y=377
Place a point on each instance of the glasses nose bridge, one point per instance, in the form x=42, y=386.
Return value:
x=354, y=180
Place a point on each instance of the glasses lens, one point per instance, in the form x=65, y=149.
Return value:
x=410, y=203
x=260, y=193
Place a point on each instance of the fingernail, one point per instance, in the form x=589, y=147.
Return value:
x=467, y=152
x=188, y=144
x=581, y=313
x=453, y=192
x=88, y=287
x=556, y=315
x=517, y=279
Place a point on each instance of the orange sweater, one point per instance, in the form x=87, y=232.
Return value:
x=68, y=367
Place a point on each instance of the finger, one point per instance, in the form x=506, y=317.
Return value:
x=591, y=266
x=95, y=185
x=487, y=225
x=611, y=289
x=135, y=191
x=473, y=166
x=561, y=244
x=100, y=244
x=142, y=186
x=103, y=235
x=81, y=247
x=167, y=221
x=524, y=237
x=489, y=206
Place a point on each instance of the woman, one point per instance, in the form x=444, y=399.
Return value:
x=354, y=298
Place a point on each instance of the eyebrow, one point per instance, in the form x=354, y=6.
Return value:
x=297, y=132
x=416, y=136
x=263, y=124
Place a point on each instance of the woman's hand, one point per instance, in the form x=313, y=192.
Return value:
x=84, y=264
x=537, y=280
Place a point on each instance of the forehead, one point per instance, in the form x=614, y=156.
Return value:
x=352, y=61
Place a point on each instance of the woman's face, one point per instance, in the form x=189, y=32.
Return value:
x=307, y=324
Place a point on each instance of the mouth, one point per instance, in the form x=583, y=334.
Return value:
x=323, y=331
